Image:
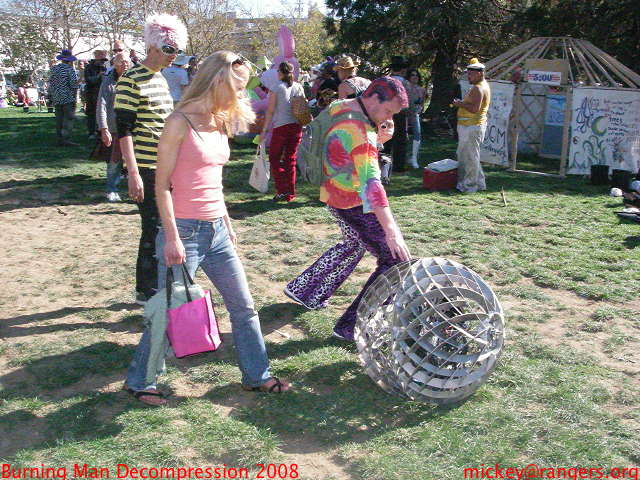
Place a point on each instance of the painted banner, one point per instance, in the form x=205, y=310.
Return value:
x=605, y=129
x=495, y=148
x=546, y=78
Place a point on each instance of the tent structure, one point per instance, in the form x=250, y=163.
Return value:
x=564, y=98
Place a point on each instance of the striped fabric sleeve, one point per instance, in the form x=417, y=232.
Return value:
x=125, y=104
x=73, y=79
x=127, y=94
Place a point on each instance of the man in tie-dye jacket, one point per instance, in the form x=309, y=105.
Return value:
x=356, y=199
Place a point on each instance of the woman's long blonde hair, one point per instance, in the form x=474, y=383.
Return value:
x=213, y=85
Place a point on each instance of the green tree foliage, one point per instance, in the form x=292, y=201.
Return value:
x=612, y=25
x=440, y=34
x=23, y=45
x=311, y=38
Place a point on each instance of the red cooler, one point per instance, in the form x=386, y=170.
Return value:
x=435, y=181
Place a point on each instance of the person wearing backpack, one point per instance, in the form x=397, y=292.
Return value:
x=286, y=133
x=351, y=188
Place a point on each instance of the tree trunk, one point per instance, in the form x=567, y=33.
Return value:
x=443, y=78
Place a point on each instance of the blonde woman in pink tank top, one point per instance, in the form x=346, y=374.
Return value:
x=196, y=228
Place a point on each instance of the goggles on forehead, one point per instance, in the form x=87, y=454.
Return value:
x=170, y=49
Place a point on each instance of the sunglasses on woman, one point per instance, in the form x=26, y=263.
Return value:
x=170, y=50
x=238, y=61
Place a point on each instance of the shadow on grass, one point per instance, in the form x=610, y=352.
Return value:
x=39, y=378
x=62, y=191
x=331, y=405
x=75, y=422
x=13, y=327
x=632, y=241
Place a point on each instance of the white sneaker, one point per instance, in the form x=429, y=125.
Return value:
x=116, y=197
x=109, y=196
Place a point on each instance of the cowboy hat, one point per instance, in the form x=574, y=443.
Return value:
x=346, y=63
x=66, y=55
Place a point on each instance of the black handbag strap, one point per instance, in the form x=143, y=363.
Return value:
x=186, y=280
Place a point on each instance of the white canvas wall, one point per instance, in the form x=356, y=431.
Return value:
x=605, y=129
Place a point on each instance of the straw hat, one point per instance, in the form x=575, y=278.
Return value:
x=474, y=64
x=346, y=63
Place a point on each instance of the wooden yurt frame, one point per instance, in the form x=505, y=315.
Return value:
x=588, y=66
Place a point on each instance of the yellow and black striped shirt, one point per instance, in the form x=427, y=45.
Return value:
x=144, y=93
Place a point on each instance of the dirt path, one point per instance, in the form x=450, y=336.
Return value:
x=70, y=269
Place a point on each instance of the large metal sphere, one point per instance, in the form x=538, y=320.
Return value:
x=430, y=329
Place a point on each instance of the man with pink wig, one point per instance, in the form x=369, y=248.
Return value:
x=356, y=199
x=142, y=104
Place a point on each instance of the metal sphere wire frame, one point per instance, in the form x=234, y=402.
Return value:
x=430, y=329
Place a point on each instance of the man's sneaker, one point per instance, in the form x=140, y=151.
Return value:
x=290, y=294
x=113, y=197
x=343, y=333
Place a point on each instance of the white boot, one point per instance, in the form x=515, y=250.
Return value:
x=413, y=162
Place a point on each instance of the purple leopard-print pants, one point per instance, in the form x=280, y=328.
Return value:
x=361, y=232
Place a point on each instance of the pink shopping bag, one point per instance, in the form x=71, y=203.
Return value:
x=192, y=327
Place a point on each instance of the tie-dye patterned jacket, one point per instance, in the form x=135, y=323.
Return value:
x=351, y=166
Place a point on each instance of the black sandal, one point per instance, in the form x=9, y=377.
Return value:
x=143, y=393
x=272, y=389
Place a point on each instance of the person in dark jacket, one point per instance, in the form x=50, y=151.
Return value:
x=106, y=117
x=93, y=73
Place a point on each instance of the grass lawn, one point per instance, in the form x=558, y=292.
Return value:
x=565, y=393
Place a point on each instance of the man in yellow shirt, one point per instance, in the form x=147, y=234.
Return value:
x=472, y=124
x=142, y=103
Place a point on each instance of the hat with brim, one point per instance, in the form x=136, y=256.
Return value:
x=346, y=63
x=327, y=67
x=399, y=62
x=66, y=55
x=475, y=65
x=181, y=60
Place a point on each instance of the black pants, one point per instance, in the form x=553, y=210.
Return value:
x=65, y=115
x=90, y=112
x=147, y=265
x=397, y=146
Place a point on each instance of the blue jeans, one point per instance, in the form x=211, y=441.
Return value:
x=113, y=176
x=207, y=245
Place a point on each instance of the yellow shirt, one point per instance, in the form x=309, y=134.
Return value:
x=466, y=118
x=146, y=93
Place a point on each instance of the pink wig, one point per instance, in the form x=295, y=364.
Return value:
x=161, y=28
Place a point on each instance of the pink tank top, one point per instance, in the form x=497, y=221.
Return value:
x=197, y=177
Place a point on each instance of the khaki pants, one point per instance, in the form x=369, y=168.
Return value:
x=470, y=174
